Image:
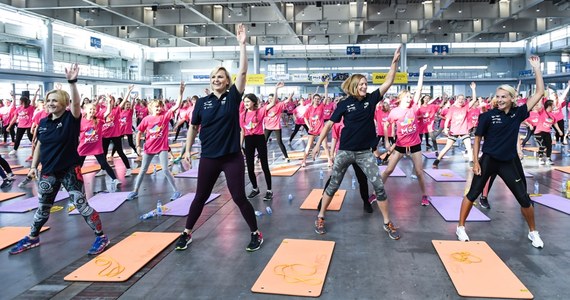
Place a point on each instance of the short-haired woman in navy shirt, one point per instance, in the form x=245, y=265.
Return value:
x=58, y=139
x=499, y=129
x=217, y=115
x=356, y=141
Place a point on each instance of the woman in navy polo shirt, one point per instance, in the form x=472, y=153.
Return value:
x=217, y=115
x=56, y=149
x=499, y=129
x=356, y=141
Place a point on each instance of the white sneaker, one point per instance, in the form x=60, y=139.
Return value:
x=541, y=162
x=101, y=173
x=128, y=173
x=549, y=162
x=534, y=237
x=13, y=152
x=115, y=183
x=10, y=176
x=461, y=234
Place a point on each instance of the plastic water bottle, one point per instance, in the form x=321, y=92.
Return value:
x=321, y=175
x=148, y=215
x=290, y=197
x=563, y=187
x=536, y=187
x=269, y=210
x=158, y=208
x=258, y=213
x=154, y=169
x=353, y=183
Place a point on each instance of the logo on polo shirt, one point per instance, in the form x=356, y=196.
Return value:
x=350, y=107
x=208, y=104
x=42, y=130
x=496, y=119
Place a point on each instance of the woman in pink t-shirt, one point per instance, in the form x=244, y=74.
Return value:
x=91, y=139
x=251, y=122
x=6, y=114
x=111, y=132
x=542, y=133
x=182, y=117
x=456, y=126
x=314, y=119
x=558, y=114
x=126, y=121
x=404, y=118
x=272, y=118
x=299, y=119
x=381, y=119
x=23, y=117
x=155, y=128
x=141, y=110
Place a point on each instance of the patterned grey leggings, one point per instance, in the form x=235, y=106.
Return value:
x=365, y=160
x=48, y=186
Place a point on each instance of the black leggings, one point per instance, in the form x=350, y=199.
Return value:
x=118, y=146
x=20, y=134
x=209, y=170
x=297, y=127
x=560, y=138
x=253, y=142
x=179, y=128
x=529, y=134
x=103, y=163
x=278, y=138
x=544, y=141
x=362, y=185
x=5, y=132
x=510, y=171
x=130, y=141
x=5, y=165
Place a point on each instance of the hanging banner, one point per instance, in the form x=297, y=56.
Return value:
x=252, y=79
x=379, y=78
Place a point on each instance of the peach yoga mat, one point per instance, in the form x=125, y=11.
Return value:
x=11, y=235
x=284, y=170
x=8, y=196
x=298, y=268
x=477, y=271
x=124, y=259
x=312, y=201
x=150, y=169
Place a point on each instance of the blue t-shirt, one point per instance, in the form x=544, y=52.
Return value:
x=59, y=140
x=500, y=131
x=219, y=121
x=359, y=132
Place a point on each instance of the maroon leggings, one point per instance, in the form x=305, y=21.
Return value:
x=208, y=173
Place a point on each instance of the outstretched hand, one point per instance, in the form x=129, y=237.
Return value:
x=241, y=34
x=397, y=54
x=534, y=61
x=72, y=72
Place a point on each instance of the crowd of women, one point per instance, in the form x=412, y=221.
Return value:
x=368, y=129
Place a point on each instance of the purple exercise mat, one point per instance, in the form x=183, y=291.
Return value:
x=449, y=206
x=445, y=175
x=181, y=206
x=528, y=175
x=105, y=202
x=554, y=201
x=25, y=205
x=397, y=171
x=192, y=173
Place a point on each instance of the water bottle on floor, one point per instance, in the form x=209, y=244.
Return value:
x=158, y=209
x=353, y=183
x=269, y=210
x=321, y=175
x=536, y=187
x=148, y=215
x=290, y=197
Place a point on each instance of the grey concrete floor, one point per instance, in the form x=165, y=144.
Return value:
x=366, y=264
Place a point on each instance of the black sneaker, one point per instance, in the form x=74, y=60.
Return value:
x=6, y=183
x=435, y=164
x=268, y=196
x=484, y=202
x=256, y=241
x=367, y=207
x=392, y=231
x=253, y=194
x=183, y=241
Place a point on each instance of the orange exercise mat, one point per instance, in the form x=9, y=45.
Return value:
x=312, y=201
x=150, y=169
x=476, y=271
x=11, y=235
x=299, y=155
x=90, y=169
x=23, y=171
x=284, y=170
x=298, y=268
x=124, y=259
x=16, y=166
x=563, y=169
x=8, y=196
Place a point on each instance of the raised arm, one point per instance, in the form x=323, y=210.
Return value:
x=242, y=72
x=180, y=97
x=565, y=93
x=539, y=93
x=418, y=92
x=127, y=97
x=33, y=103
x=326, y=85
x=71, y=75
x=473, y=86
x=279, y=85
x=392, y=73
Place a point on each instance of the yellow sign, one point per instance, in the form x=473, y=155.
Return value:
x=252, y=79
x=379, y=78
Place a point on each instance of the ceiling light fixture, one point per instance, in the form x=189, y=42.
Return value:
x=460, y=11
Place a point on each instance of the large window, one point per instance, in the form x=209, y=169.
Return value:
x=274, y=70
